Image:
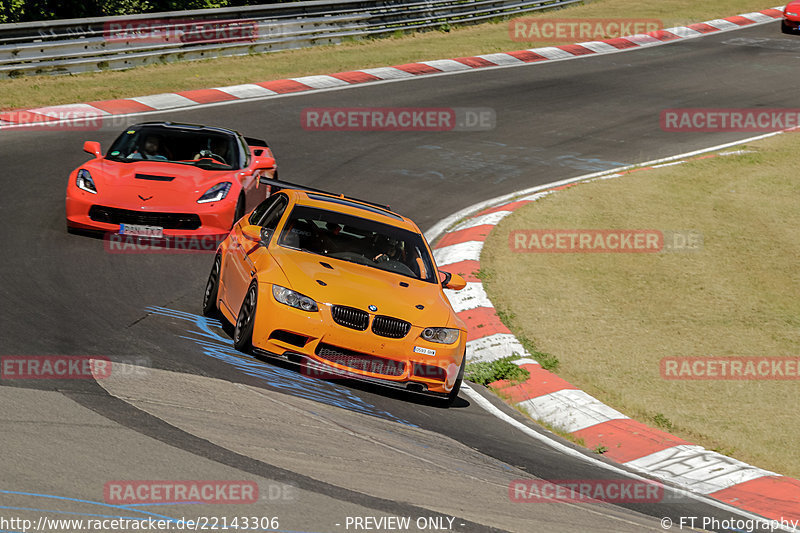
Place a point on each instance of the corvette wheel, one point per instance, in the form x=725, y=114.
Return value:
x=785, y=28
x=212, y=289
x=243, y=334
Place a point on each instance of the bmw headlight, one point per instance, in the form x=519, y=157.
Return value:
x=293, y=299
x=85, y=182
x=215, y=193
x=440, y=335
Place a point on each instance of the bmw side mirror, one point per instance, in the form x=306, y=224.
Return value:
x=452, y=281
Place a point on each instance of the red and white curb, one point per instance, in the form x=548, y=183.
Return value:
x=98, y=110
x=553, y=400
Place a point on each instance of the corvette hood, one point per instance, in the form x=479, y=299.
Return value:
x=152, y=184
x=360, y=286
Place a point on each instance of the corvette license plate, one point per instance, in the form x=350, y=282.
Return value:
x=141, y=230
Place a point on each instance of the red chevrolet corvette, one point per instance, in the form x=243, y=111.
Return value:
x=791, y=17
x=160, y=179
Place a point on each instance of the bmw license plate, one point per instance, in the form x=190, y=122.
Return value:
x=141, y=230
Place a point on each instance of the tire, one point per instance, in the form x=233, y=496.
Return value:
x=243, y=333
x=212, y=289
x=785, y=28
x=239, y=211
x=453, y=395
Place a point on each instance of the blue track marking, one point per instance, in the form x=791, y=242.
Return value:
x=205, y=335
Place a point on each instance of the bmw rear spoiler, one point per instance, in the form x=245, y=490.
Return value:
x=280, y=184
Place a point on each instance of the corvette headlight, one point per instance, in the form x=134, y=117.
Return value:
x=791, y=14
x=215, y=193
x=293, y=299
x=440, y=335
x=85, y=182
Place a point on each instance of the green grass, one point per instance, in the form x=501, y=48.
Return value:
x=485, y=372
x=609, y=319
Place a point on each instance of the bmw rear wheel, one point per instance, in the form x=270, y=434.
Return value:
x=243, y=334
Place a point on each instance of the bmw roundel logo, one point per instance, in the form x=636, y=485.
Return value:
x=373, y=308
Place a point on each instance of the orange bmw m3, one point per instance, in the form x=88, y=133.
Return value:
x=346, y=288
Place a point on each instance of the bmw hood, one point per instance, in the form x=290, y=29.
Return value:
x=335, y=282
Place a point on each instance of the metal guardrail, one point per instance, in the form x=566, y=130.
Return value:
x=114, y=43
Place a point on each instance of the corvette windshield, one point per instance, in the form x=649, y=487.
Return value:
x=358, y=240
x=210, y=150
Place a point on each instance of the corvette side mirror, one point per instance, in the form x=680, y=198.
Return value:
x=452, y=281
x=267, y=163
x=93, y=147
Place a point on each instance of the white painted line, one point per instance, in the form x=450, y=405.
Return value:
x=455, y=253
x=572, y=452
x=70, y=111
x=388, y=73
x=164, y=101
x=470, y=297
x=722, y=24
x=494, y=347
x=246, y=90
x=525, y=361
x=643, y=40
x=599, y=47
x=759, y=17
x=697, y=469
x=570, y=410
x=684, y=33
x=489, y=219
x=502, y=59
x=674, y=163
x=447, y=65
x=551, y=52
x=320, y=82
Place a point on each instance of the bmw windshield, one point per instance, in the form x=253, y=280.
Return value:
x=358, y=240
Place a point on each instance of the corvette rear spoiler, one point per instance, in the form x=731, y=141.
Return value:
x=251, y=141
x=280, y=184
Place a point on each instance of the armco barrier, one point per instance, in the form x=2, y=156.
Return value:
x=113, y=43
